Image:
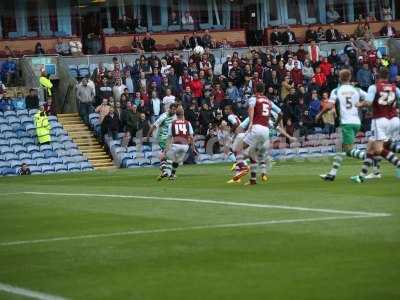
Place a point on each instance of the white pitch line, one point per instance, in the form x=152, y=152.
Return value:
x=27, y=293
x=201, y=227
x=322, y=210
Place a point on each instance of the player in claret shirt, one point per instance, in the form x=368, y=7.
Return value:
x=385, y=124
x=180, y=133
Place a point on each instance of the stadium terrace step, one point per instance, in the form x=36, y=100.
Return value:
x=86, y=141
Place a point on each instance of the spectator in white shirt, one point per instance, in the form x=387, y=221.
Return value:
x=129, y=82
x=187, y=19
x=155, y=106
x=165, y=67
x=168, y=99
x=118, y=89
x=290, y=64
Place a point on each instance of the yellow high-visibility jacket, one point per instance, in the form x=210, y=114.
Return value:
x=42, y=128
x=46, y=83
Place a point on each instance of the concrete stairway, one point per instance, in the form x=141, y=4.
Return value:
x=86, y=141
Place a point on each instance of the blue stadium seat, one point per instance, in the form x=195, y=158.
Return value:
x=26, y=120
x=79, y=158
x=28, y=141
x=45, y=147
x=50, y=153
x=148, y=155
x=29, y=162
x=64, y=138
x=9, y=113
x=67, y=159
x=73, y=70
x=24, y=155
x=74, y=167
x=131, y=163
x=22, y=112
x=55, y=160
x=29, y=127
x=32, y=148
x=70, y=145
x=55, y=125
x=10, y=156
x=60, y=168
x=155, y=161
x=32, y=112
x=10, y=134
x=9, y=172
x=47, y=169
x=42, y=161
x=3, y=121
x=57, y=146
x=15, y=142
x=73, y=152
x=19, y=149
x=4, y=143
x=37, y=155
x=35, y=169
x=143, y=162
x=86, y=166
x=15, y=163
x=5, y=128
x=52, y=118
x=4, y=164
x=83, y=70
x=6, y=149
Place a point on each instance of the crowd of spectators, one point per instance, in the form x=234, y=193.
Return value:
x=130, y=97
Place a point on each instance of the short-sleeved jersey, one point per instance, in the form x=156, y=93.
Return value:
x=163, y=123
x=383, y=95
x=347, y=96
x=262, y=110
x=233, y=122
x=180, y=131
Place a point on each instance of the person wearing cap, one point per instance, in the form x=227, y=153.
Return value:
x=8, y=71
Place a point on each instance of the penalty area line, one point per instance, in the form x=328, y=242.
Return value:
x=228, y=203
x=28, y=293
x=180, y=229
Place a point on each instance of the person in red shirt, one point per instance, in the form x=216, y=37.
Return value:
x=326, y=67
x=219, y=94
x=196, y=86
x=185, y=79
x=320, y=78
x=297, y=74
x=372, y=59
x=256, y=79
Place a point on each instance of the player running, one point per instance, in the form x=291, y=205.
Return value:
x=348, y=99
x=385, y=124
x=257, y=134
x=162, y=125
x=180, y=134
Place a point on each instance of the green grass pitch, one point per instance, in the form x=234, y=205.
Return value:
x=160, y=247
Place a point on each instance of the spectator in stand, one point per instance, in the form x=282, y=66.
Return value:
x=313, y=52
x=321, y=37
x=286, y=85
x=276, y=37
x=219, y=95
x=85, y=97
x=49, y=107
x=111, y=124
x=393, y=70
x=332, y=16
x=308, y=72
x=359, y=31
x=187, y=19
x=9, y=52
x=311, y=34
x=173, y=19
x=334, y=58
x=351, y=51
x=131, y=123
x=365, y=77
x=168, y=99
x=314, y=106
x=206, y=39
x=320, y=78
x=368, y=35
x=24, y=170
x=195, y=40
x=388, y=30
x=45, y=83
x=103, y=91
x=5, y=103
x=124, y=24
x=332, y=34
x=32, y=100
x=156, y=107
x=186, y=43
x=225, y=44
x=297, y=74
x=148, y=43
x=196, y=87
x=288, y=37
x=301, y=53
x=103, y=110
x=387, y=12
x=62, y=48
x=118, y=89
x=327, y=115
x=325, y=66
x=8, y=71
x=39, y=49
x=136, y=45
x=19, y=102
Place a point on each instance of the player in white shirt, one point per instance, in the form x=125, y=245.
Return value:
x=348, y=98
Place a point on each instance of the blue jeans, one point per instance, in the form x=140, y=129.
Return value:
x=84, y=110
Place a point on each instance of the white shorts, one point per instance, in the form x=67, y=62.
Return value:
x=258, y=136
x=384, y=129
x=177, y=152
x=237, y=144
